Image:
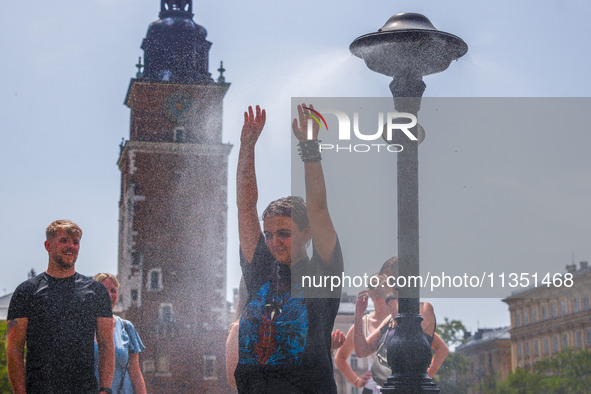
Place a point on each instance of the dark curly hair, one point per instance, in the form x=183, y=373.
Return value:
x=293, y=207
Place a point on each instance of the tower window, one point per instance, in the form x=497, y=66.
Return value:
x=136, y=258
x=163, y=365
x=175, y=5
x=154, y=279
x=149, y=366
x=166, y=75
x=134, y=295
x=180, y=134
x=209, y=361
x=165, y=314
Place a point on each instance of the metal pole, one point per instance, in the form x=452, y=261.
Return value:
x=409, y=353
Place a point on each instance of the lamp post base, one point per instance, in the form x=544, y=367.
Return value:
x=409, y=355
x=409, y=385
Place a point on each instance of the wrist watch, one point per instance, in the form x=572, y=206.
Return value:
x=105, y=390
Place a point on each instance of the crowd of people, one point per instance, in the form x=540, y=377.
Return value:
x=282, y=340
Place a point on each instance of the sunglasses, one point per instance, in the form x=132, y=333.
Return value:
x=390, y=298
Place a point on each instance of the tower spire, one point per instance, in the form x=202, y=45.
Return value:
x=139, y=66
x=221, y=78
x=175, y=48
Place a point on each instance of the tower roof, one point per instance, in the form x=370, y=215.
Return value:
x=175, y=48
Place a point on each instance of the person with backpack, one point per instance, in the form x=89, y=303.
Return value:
x=378, y=340
x=370, y=323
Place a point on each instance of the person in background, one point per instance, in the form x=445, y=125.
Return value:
x=364, y=346
x=232, y=340
x=56, y=314
x=128, y=377
x=371, y=322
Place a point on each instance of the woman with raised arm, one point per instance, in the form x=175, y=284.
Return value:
x=285, y=339
x=365, y=346
x=378, y=291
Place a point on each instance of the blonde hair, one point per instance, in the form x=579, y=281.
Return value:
x=71, y=228
x=103, y=275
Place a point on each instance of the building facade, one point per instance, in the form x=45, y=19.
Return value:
x=489, y=353
x=550, y=318
x=172, y=209
x=4, y=303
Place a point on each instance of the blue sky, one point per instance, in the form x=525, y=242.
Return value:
x=66, y=67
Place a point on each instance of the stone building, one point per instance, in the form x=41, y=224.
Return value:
x=489, y=354
x=4, y=303
x=551, y=317
x=172, y=209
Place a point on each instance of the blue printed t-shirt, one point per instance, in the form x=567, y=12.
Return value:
x=284, y=335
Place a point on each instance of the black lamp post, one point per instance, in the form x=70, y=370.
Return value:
x=407, y=48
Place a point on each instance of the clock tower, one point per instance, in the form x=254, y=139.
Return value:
x=172, y=209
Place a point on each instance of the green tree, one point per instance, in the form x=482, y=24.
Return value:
x=566, y=372
x=452, y=373
x=455, y=366
x=4, y=382
x=452, y=332
x=519, y=381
